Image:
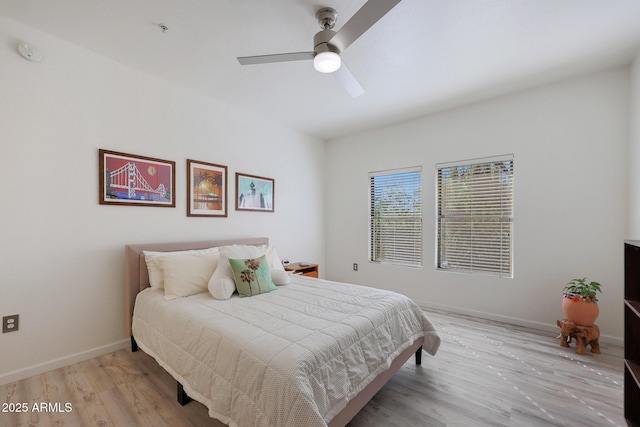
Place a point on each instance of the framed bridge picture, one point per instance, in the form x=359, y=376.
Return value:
x=126, y=179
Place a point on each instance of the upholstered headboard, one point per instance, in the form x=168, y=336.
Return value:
x=137, y=275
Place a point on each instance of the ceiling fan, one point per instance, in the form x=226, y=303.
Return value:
x=328, y=44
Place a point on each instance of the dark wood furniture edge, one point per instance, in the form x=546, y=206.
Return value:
x=631, y=332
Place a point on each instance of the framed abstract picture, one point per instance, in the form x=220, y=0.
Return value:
x=127, y=179
x=206, y=189
x=254, y=193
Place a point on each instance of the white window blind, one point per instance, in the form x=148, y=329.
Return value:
x=475, y=216
x=396, y=217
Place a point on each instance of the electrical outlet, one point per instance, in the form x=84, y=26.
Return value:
x=355, y=266
x=10, y=323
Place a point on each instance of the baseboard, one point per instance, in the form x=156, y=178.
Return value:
x=30, y=371
x=608, y=339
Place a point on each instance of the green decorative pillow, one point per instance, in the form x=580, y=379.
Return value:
x=252, y=276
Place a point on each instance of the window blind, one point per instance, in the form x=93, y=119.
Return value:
x=475, y=217
x=396, y=217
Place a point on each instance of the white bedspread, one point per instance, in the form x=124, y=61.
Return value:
x=290, y=358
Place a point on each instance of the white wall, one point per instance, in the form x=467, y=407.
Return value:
x=61, y=253
x=570, y=146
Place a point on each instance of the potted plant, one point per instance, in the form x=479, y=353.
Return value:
x=580, y=303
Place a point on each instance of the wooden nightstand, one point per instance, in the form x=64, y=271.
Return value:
x=310, y=270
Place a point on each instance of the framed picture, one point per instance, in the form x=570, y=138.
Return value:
x=254, y=193
x=206, y=189
x=126, y=179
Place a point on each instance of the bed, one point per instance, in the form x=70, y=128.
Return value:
x=311, y=353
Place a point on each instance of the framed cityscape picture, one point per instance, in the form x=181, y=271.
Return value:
x=254, y=193
x=206, y=189
x=127, y=179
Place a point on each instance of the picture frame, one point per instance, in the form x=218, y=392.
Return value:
x=254, y=193
x=132, y=180
x=206, y=189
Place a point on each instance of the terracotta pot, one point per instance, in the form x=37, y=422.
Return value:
x=582, y=312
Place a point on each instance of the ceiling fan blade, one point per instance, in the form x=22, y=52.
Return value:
x=278, y=57
x=359, y=23
x=348, y=81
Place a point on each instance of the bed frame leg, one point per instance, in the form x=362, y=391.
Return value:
x=183, y=399
x=134, y=345
x=419, y=356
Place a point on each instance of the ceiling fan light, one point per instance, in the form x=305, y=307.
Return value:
x=327, y=62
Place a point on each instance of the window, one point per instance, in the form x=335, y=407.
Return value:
x=475, y=216
x=395, y=221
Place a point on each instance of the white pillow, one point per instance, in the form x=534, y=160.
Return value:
x=189, y=274
x=278, y=274
x=222, y=284
x=239, y=251
x=153, y=267
x=152, y=259
x=280, y=277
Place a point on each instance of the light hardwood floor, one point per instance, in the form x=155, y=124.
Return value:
x=485, y=374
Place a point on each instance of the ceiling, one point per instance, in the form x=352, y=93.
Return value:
x=423, y=56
